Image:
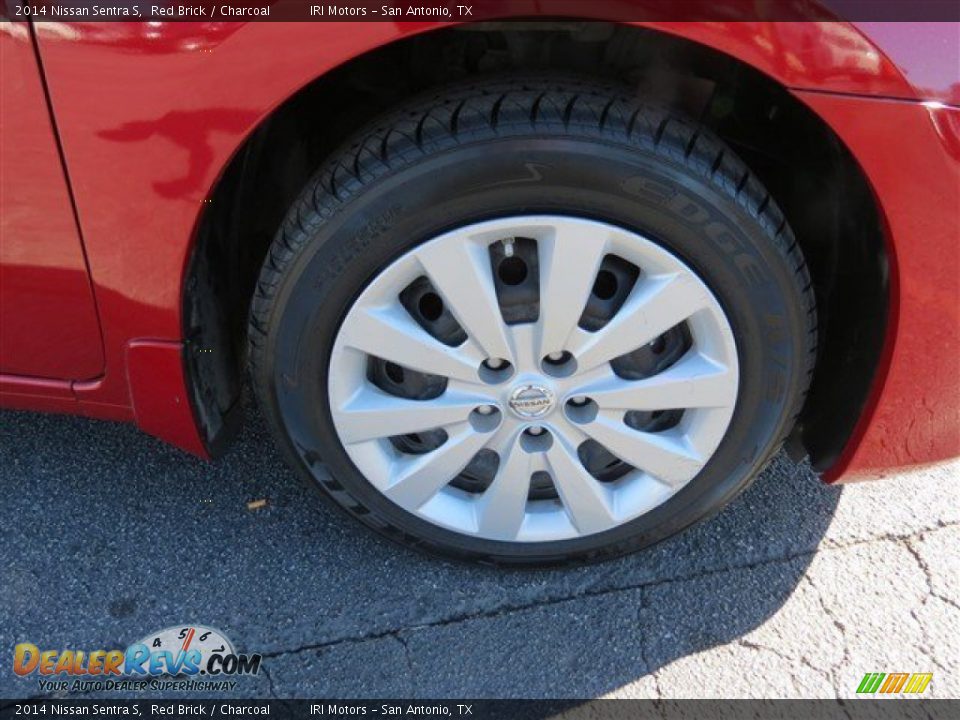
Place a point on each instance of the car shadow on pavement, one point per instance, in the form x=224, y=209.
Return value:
x=109, y=535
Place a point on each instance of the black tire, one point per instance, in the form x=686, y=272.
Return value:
x=545, y=145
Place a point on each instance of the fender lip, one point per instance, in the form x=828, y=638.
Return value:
x=159, y=395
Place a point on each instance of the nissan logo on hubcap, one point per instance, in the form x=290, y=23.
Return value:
x=531, y=401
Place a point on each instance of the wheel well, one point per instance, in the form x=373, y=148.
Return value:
x=816, y=181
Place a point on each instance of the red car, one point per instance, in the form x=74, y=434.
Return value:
x=543, y=291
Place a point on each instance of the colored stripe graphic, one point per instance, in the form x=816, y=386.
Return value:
x=907, y=683
x=870, y=682
x=894, y=682
x=918, y=683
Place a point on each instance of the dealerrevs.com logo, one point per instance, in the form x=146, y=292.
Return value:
x=190, y=657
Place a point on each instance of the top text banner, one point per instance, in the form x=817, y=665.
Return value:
x=480, y=10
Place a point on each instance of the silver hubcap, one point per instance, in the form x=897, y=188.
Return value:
x=549, y=427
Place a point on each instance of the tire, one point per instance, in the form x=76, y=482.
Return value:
x=573, y=152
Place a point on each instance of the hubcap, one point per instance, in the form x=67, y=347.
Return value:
x=533, y=378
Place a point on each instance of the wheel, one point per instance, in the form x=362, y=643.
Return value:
x=532, y=322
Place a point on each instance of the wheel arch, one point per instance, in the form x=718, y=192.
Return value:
x=841, y=231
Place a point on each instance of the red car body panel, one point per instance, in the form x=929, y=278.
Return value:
x=914, y=410
x=44, y=282
x=149, y=115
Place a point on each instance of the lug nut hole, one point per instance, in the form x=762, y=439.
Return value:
x=485, y=418
x=581, y=410
x=495, y=370
x=559, y=364
x=536, y=439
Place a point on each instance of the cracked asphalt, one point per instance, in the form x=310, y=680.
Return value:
x=795, y=590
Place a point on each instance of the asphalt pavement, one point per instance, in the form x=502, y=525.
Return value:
x=795, y=590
